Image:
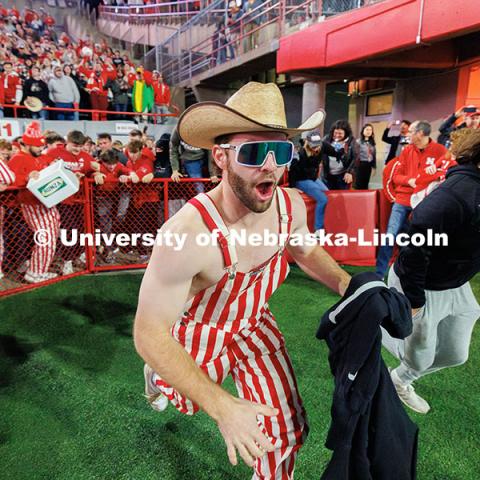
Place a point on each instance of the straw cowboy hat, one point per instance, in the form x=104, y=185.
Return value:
x=256, y=107
x=33, y=104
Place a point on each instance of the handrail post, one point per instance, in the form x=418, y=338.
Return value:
x=281, y=18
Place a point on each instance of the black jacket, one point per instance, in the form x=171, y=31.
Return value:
x=347, y=156
x=371, y=436
x=452, y=209
x=306, y=168
x=447, y=128
x=393, y=142
x=36, y=88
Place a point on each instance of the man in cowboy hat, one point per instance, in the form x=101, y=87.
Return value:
x=203, y=311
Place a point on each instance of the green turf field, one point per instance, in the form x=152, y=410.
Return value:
x=71, y=390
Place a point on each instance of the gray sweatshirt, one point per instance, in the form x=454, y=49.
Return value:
x=181, y=151
x=63, y=90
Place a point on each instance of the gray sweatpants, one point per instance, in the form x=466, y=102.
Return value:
x=441, y=335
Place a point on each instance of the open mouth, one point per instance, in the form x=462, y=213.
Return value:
x=265, y=190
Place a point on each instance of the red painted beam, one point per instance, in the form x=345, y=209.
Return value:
x=375, y=30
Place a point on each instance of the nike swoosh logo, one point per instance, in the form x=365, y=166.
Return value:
x=352, y=376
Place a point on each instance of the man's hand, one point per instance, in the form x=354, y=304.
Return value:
x=240, y=430
x=123, y=178
x=99, y=178
x=176, y=176
x=412, y=182
x=147, y=178
x=3, y=187
x=431, y=170
x=459, y=112
x=348, y=178
x=34, y=175
x=415, y=311
x=134, y=177
x=214, y=179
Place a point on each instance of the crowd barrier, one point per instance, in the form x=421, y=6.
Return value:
x=96, y=115
x=114, y=208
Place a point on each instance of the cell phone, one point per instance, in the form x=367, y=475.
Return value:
x=397, y=122
x=470, y=109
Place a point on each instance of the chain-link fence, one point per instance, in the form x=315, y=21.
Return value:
x=102, y=227
x=31, y=250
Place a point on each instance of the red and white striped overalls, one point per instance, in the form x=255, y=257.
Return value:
x=228, y=328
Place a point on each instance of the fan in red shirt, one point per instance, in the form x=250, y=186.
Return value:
x=72, y=209
x=162, y=95
x=111, y=172
x=96, y=86
x=26, y=165
x=143, y=213
x=136, y=134
x=11, y=86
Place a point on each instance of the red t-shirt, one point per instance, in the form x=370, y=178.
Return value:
x=112, y=172
x=81, y=163
x=143, y=193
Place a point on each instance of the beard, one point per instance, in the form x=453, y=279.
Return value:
x=244, y=191
x=34, y=153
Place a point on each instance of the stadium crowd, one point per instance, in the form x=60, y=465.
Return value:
x=42, y=68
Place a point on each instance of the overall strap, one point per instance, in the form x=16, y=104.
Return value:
x=212, y=218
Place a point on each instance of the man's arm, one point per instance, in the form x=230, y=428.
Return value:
x=163, y=293
x=314, y=260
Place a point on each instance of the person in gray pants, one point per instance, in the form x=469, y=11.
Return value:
x=435, y=279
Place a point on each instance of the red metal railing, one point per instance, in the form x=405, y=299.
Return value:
x=112, y=209
x=177, y=12
x=95, y=113
x=241, y=37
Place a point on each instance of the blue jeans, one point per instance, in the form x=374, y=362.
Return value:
x=43, y=114
x=315, y=189
x=396, y=223
x=65, y=115
x=336, y=182
x=194, y=170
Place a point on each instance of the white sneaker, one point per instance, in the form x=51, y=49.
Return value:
x=153, y=394
x=39, y=277
x=82, y=258
x=67, y=268
x=23, y=267
x=407, y=395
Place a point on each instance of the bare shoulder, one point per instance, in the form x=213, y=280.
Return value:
x=177, y=250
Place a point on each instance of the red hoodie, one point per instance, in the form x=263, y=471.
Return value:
x=22, y=164
x=143, y=193
x=410, y=161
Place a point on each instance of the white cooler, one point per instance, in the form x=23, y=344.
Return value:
x=55, y=184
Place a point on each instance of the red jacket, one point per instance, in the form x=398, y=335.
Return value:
x=97, y=84
x=410, y=161
x=424, y=179
x=11, y=83
x=22, y=164
x=162, y=93
x=388, y=184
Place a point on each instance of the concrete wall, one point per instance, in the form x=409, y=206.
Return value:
x=431, y=98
